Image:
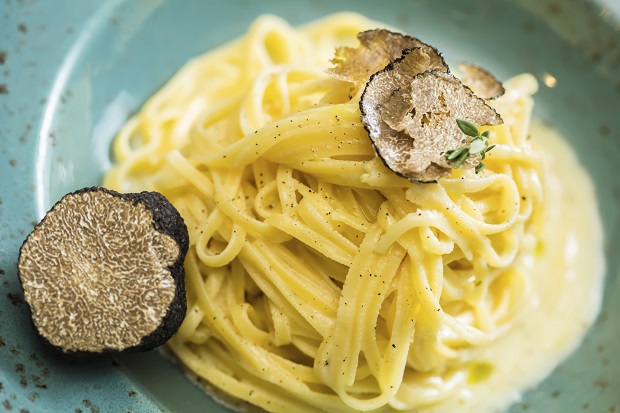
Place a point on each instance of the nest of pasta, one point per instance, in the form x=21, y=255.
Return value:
x=318, y=278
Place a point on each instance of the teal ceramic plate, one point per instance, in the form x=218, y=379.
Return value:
x=72, y=72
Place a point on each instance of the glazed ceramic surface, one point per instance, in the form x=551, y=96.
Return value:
x=72, y=72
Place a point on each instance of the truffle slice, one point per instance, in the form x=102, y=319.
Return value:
x=103, y=272
x=377, y=48
x=411, y=119
x=482, y=82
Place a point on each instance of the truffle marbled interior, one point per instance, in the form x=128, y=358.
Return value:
x=95, y=273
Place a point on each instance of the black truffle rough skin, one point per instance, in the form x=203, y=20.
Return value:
x=103, y=272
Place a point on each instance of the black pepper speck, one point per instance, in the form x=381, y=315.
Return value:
x=554, y=9
x=15, y=299
x=604, y=130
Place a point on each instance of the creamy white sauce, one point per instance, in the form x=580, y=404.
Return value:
x=566, y=290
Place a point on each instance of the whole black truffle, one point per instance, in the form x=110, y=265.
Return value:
x=103, y=272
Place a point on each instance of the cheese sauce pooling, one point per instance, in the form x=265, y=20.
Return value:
x=565, y=296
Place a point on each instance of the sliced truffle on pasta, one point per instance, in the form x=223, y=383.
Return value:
x=377, y=49
x=411, y=118
x=481, y=81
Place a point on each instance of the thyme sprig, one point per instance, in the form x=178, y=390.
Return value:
x=479, y=144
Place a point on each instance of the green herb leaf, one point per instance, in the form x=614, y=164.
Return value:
x=484, y=153
x=461, y=159
x=468, y=128
x=477, y=146
x=455, y=153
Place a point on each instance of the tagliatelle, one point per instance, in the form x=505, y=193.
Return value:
x=318, y=280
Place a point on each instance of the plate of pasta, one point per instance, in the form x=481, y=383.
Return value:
x=380, y=208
